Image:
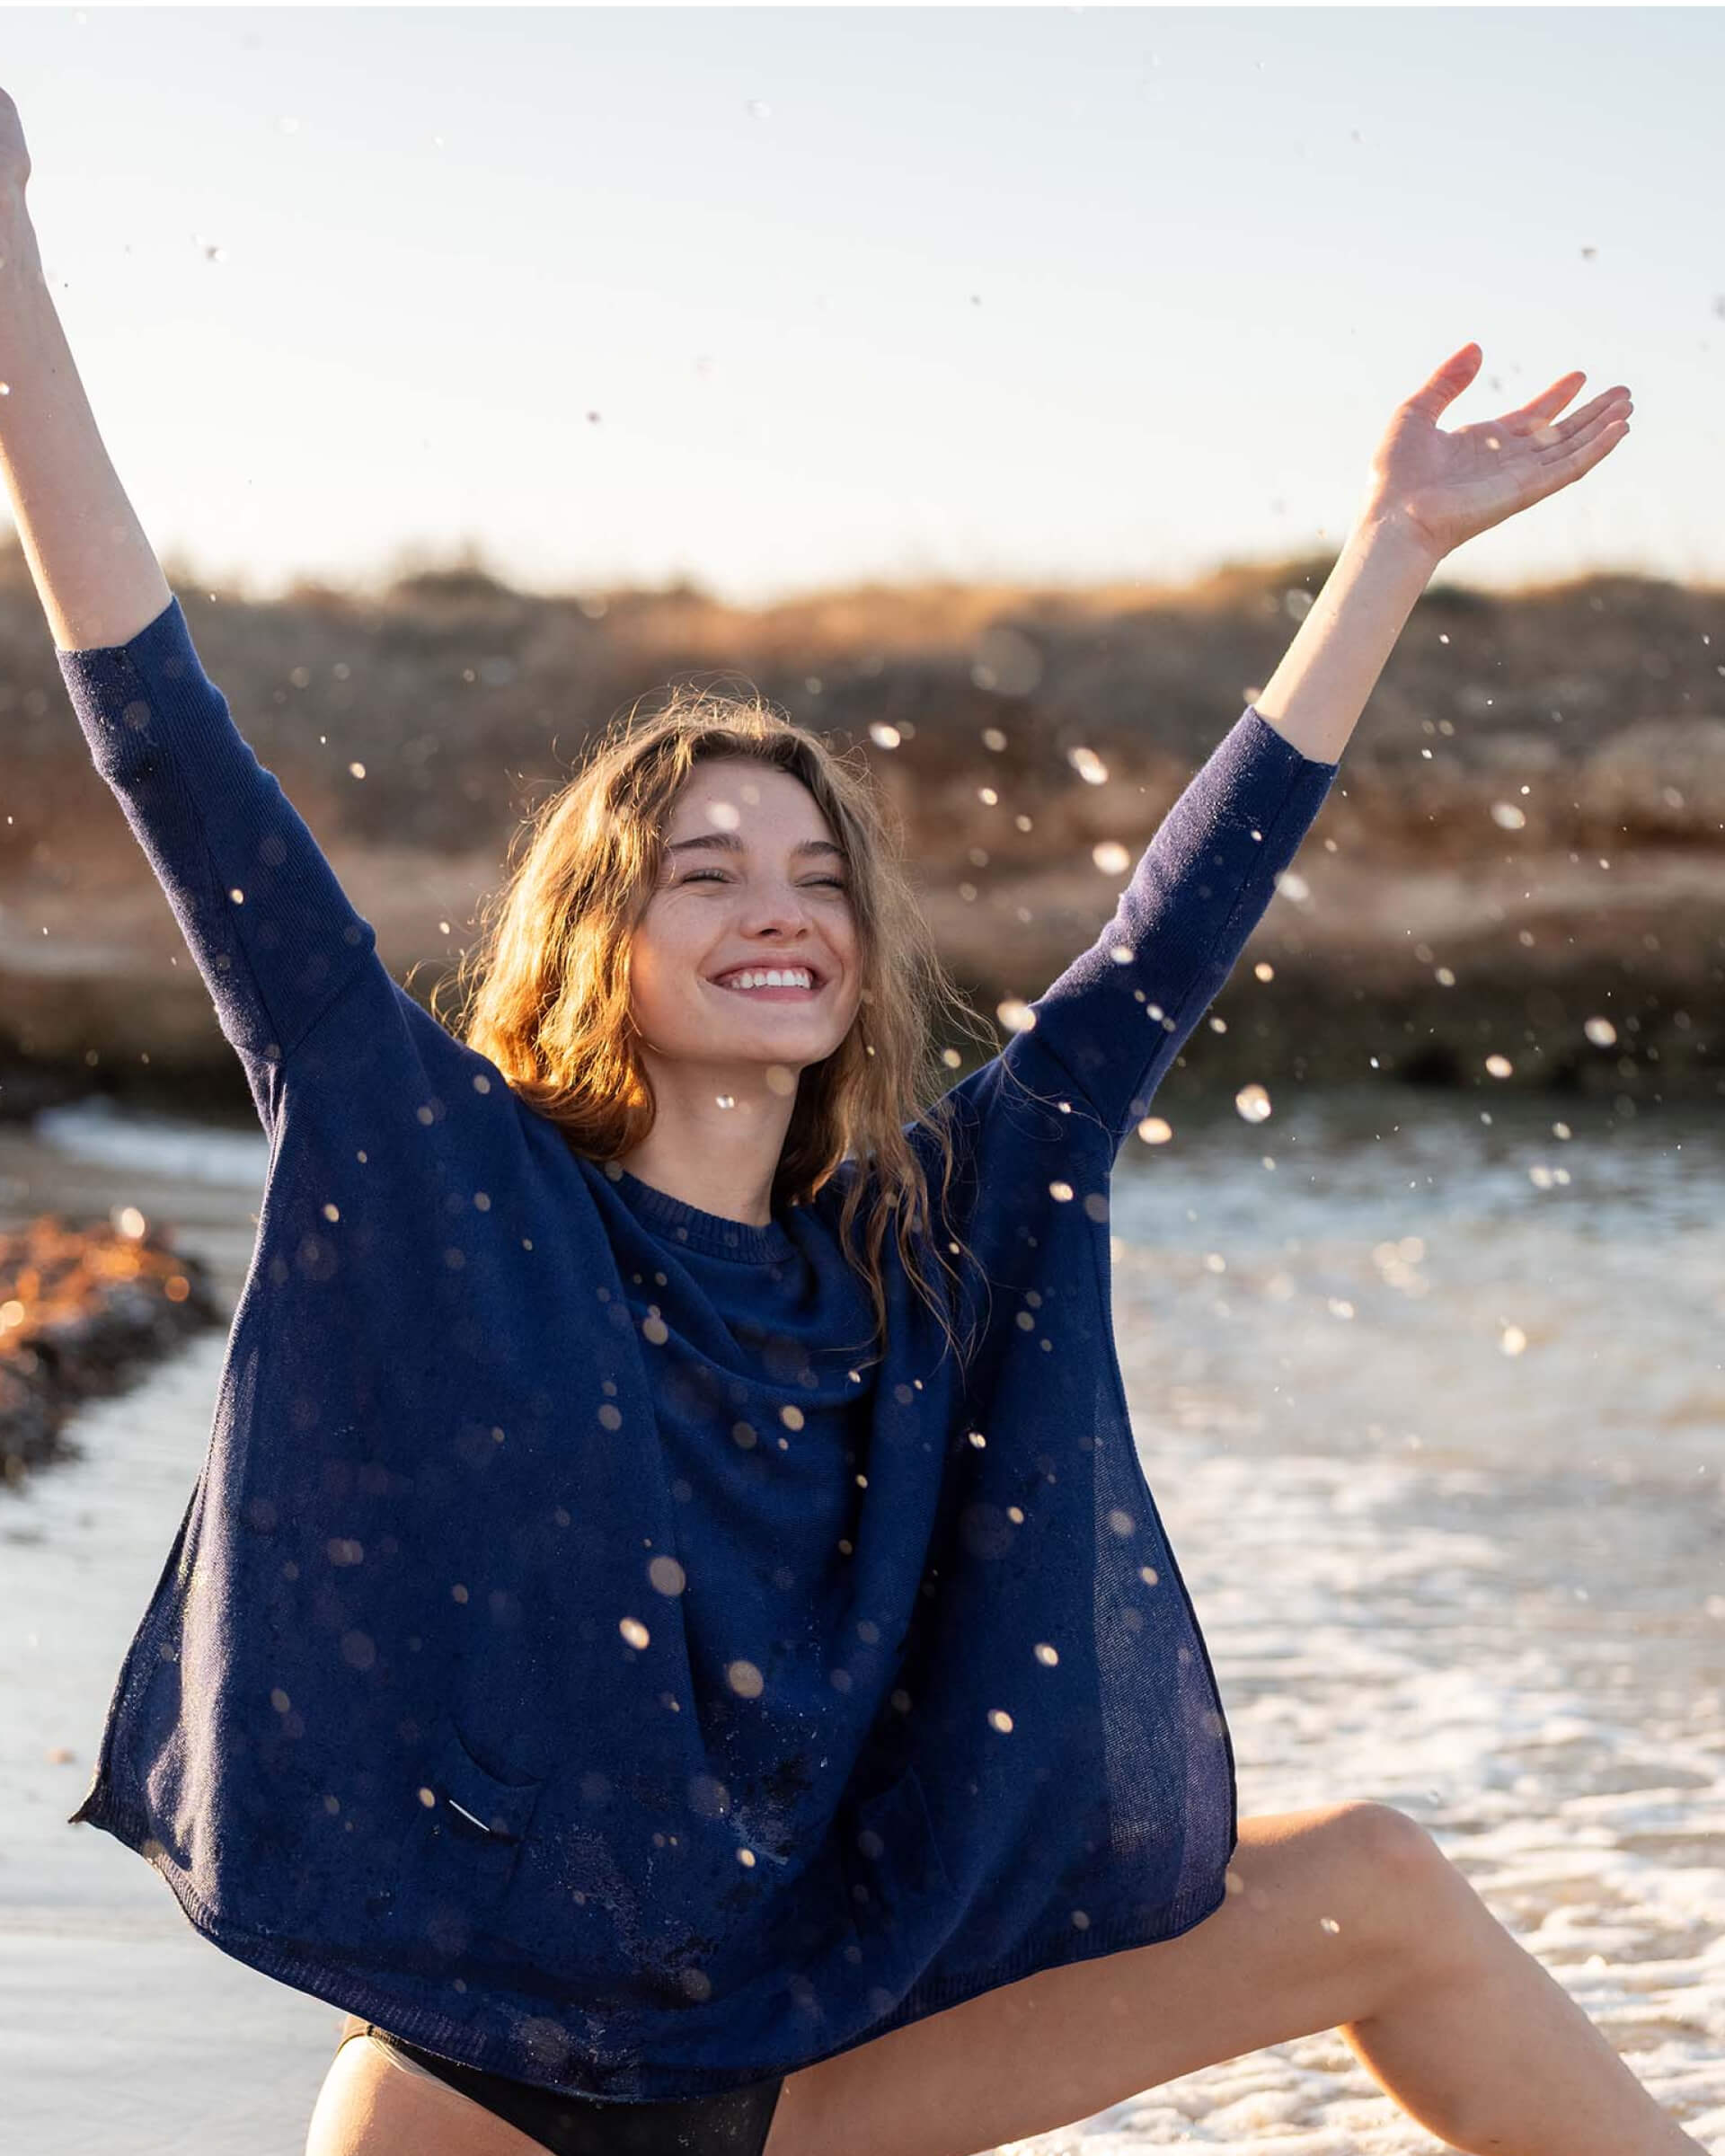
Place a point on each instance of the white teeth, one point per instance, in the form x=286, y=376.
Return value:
x=795, y=976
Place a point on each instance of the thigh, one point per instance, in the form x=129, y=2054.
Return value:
x=1323, y=1910
x=374, y=2102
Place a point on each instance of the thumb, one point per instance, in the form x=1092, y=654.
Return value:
x=1448, y=384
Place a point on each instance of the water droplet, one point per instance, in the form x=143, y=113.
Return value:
x=1253, y=1101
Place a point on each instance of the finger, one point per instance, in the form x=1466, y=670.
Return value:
x=1610, y=404
x=1567, y=465
x=1443, y=387
x=1540, y=409
x=1590, y=449
x=1584, y=425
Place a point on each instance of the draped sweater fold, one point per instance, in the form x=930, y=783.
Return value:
x=580, y=1653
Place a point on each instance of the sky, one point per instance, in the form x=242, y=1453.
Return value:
x=777, y=299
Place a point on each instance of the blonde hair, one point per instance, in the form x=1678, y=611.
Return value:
x=548, y=997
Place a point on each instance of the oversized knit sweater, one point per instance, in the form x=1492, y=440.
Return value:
x=578, y=1654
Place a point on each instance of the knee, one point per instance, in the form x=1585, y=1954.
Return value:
x=1392, y=1844
x=1427, y=1910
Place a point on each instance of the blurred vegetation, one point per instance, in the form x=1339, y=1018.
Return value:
x=1538, y=738
x=464, y=699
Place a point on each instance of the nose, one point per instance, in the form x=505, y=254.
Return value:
x=781, y=911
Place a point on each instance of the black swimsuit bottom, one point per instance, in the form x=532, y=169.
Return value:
x=735, y=2124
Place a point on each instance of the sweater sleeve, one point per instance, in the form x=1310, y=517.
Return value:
x=268, y=927
x=1118, y=1015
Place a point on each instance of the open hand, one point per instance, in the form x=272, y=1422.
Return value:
x=1447, y=488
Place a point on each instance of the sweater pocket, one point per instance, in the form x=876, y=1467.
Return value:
x=462, y=1850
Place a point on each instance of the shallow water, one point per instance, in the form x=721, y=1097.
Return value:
x=1437, y=1433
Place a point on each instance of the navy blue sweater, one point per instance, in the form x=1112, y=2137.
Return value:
x=576, y=1654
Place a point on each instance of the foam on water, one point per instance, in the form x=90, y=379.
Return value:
x=97, y=1130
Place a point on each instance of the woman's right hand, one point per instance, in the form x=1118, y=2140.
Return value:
x=14, y=156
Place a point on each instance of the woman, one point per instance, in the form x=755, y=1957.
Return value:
x=671, y=1634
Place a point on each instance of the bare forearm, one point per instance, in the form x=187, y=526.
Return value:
x=95, y=572
x=1314, y=698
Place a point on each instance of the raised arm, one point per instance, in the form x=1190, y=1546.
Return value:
x=269, y=928
x=98, y=581
x=1117, y=1017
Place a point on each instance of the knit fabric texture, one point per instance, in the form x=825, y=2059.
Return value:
x=578, y=1655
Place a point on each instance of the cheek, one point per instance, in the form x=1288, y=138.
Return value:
x=653, y=974
x=661, y=957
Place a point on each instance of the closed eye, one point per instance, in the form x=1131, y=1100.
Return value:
x=695, y=876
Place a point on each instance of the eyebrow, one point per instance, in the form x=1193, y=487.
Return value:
x=731, y=844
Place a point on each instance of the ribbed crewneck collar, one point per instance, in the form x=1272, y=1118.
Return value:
x=686, y=1224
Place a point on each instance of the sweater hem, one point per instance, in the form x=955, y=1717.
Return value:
x=1041, y=1951
x=288, y=1964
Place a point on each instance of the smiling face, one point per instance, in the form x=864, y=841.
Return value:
x=753, y=880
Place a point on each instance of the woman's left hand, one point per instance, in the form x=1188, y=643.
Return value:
x=1447, y=488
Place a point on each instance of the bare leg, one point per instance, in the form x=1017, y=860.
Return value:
x=374, y=2102
x=1346, y=1917
x=1538, y=2079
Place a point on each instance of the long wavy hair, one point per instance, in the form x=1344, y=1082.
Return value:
x=547, y=986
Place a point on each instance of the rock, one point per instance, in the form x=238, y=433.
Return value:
x=81, y=1308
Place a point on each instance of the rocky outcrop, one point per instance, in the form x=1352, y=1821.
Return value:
x=85, y=1306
